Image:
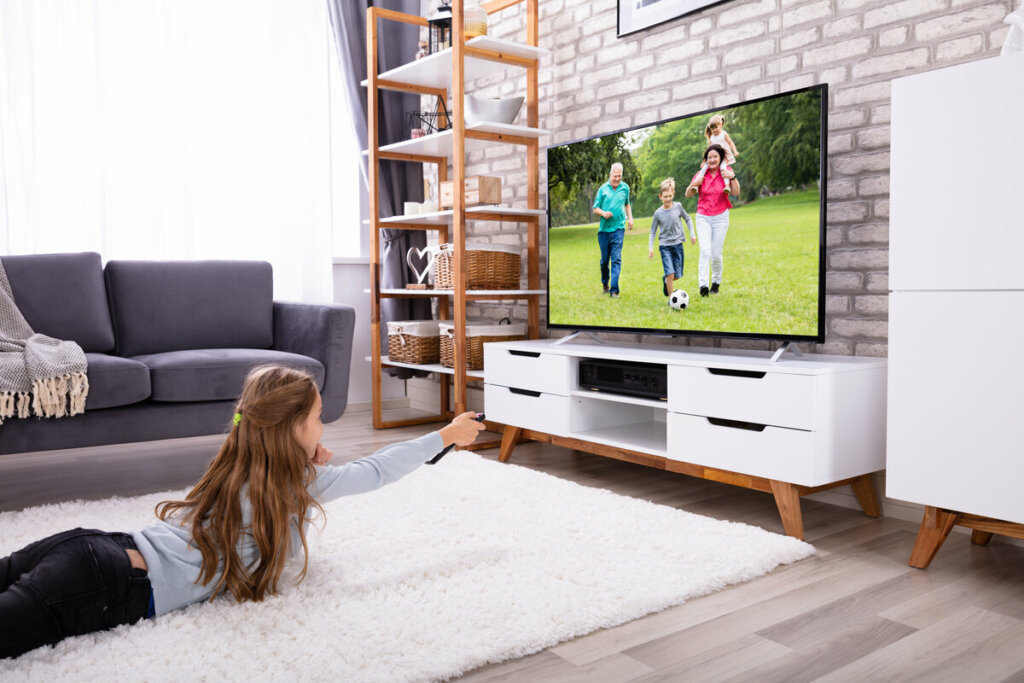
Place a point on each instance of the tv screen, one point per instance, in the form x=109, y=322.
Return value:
x=724, y=205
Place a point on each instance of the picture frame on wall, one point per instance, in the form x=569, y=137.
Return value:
x=637, y=15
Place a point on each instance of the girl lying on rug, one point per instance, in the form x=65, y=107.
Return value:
x=233, y=533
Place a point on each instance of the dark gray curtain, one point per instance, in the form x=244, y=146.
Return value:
x=399, y=182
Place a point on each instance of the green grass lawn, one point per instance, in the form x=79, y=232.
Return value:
x=769, y=280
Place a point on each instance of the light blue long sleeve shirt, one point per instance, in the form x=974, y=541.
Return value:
x=174, y=564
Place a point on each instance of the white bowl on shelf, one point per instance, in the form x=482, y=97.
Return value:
x=492, y=110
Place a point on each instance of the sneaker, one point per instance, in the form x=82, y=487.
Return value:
x=615, y=295
x=703, y=291
x=664, y=288
x=714, y=288
x=606, y=290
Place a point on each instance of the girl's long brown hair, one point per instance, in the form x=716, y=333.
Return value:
x=261, y=451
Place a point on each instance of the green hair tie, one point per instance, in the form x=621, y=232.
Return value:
x=238, y=418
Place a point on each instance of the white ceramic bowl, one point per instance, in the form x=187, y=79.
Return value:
x=490, y=110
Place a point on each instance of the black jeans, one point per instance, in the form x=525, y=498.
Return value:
x=74, y=582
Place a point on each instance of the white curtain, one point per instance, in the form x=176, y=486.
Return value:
x=169, y=129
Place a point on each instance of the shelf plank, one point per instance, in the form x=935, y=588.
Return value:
x=440, y=144
x=435, y=70
x=470, y=293
x=646, y=437
x=482, y=213
x=620, y=398
x=475, y=375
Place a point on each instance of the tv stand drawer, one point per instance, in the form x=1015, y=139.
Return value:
x=770, y=398
x=534, y=370
x=527, y=408
x=759, y=450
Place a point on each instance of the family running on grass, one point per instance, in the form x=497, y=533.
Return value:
x=713, y=184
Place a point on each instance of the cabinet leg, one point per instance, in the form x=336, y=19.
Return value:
x=979, y=537
x=935, y=527
x=864, y=488
x=508, y=441
x=788, y=499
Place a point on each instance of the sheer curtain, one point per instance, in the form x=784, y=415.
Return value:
x=169, y=129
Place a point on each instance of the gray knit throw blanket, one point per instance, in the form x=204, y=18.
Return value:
x=39, y=375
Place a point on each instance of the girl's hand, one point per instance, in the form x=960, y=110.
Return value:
x=735, y=153
x=462, y=431
x=323, y=455
x=650, y=253
x=693, y=240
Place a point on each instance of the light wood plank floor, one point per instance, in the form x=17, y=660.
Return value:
x=854, y=612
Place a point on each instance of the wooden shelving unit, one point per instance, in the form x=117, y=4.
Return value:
x=444, y=74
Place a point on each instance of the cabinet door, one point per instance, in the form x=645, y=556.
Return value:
x=956, y=373
x=952, y=185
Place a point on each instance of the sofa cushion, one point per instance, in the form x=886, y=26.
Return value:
x=160, y=306
x=215, y=374
x=63, y=296
x=115, y=381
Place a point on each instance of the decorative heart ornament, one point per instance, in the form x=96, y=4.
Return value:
x=424, y=254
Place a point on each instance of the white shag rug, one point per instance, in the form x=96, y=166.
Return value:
x=455, y=566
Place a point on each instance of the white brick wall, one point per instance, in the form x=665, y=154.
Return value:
x=595, y=82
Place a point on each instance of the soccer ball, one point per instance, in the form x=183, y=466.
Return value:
x=679, y=300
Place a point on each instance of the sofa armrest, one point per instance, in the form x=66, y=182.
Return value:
x=323, y=332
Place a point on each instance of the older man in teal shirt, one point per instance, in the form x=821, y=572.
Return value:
x=612, y=205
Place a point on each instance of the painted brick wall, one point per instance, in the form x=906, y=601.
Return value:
x=595, y=83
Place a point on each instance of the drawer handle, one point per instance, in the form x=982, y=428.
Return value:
x=528, y=354
x=736, y=424
x=752, y=374
x=524, y=392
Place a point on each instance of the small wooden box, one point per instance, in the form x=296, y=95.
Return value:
x=480, y=189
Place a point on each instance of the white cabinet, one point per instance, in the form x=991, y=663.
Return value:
x=956, y=311
x=787, y=427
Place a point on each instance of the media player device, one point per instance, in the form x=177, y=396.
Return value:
x=647, y=380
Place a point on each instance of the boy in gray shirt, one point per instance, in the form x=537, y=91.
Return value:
x=669, y=217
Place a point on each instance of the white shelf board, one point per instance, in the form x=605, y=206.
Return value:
x=469, y=292
x=620, y=398
x=647, y=437
x=440, y=144
x=445, y=217
x=435, y=71
x=429, y=367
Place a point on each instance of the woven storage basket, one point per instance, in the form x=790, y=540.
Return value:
x=477, y=335
x=487, y=266
x=414, y=341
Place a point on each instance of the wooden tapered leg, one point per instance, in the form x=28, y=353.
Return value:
x=980, y=537
x=508, y=441
x=935, y=527
x=787, y=497
x=864, y=488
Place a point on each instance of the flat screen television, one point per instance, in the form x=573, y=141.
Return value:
x=763, y=258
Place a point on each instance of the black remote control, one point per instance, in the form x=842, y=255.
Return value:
x=480, y=417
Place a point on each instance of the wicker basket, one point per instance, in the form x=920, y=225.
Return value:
x=487, y=266
x=476, y=336
x=414, y=341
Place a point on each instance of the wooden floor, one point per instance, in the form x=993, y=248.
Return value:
x=854, y=612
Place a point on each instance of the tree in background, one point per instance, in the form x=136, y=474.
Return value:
x=577, y=170
x=781, y=141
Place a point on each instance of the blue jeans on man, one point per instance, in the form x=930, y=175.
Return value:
x=611, y=258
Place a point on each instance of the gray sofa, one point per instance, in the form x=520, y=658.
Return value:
x=168, y=344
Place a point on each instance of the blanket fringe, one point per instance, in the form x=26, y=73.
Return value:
x=59, y=396
x=14, y=404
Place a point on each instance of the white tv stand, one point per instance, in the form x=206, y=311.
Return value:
x=789, y=427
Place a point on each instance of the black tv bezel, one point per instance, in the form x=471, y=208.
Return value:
x=819, y=338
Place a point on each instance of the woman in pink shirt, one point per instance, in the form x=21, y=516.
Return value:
x=712, y=216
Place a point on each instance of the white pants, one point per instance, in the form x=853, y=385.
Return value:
x=711, y=232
